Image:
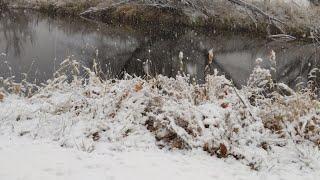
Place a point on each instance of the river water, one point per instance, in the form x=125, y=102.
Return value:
x=36, y=44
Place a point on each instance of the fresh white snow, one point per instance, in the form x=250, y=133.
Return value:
x=24, y=159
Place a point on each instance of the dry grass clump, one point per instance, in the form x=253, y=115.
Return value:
x=286, y=113
x=1, y=97
x=23, y=88
x=293, y=116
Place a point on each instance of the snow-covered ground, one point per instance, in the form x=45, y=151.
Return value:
x=27, y=160
x=159, y=128
x=24, y=159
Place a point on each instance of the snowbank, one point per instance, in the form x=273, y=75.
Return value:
x=257, y=125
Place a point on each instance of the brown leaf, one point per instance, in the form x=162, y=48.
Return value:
x=236, y=130
x=17, y=89
x=224, y=105
x=311, y=128
x=223, y=151
x=1, y=97
x=138, y=87
x=206, y=147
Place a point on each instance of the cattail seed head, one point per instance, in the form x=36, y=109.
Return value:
x=210, y=56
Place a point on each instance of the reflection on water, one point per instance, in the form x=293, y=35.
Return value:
x=36, y=44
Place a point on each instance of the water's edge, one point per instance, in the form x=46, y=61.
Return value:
x=35, y=44
x=127, y=13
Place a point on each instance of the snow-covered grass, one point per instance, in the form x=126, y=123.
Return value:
x=265, y=126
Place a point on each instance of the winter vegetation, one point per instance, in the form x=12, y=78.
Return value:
x=265, y=125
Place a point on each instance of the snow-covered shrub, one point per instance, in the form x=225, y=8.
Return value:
x=250, y=124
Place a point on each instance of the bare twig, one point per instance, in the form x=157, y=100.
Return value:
x=255, y=9
x=254, y=20
x=243, y=102
x=282, y=36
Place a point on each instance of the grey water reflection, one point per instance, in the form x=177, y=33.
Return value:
x=36, y=44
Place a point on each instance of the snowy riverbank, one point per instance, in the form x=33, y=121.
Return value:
x=257, y=126
x=296, y=18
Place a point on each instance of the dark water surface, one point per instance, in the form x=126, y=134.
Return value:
x=36, y=44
